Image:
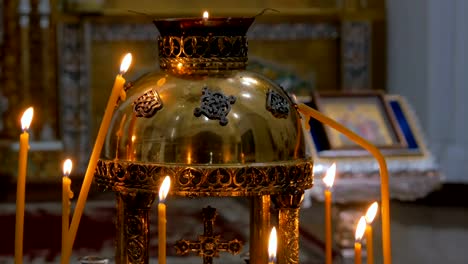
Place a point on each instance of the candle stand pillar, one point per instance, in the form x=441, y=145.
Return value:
x=288, y=206
x=259, y=228
x=133, y=211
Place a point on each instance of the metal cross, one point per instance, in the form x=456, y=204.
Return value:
x=208, y=245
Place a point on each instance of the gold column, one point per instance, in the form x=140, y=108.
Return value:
x=9, y=67
x=259, y=228
x=47, y=60
x=132, y=226
x=24, y=12
x=288, y=226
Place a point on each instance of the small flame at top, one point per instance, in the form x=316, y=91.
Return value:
x=164, y=189
x=206, y=15
x=371, y=212
x=127, y=60
x=67, y=167
x=361, y=227
x=330, y=176
x=272, y=246
x=27, y=118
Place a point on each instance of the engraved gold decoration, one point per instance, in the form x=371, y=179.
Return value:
x=190, y=181
x=133, y=227
x=288, y=227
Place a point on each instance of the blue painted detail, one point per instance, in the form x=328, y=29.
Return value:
x=317, y=132
x=404, y=125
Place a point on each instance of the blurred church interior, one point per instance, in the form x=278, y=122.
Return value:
x=61, y=56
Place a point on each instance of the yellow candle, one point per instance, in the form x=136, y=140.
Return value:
x=384, y=181
x=328, y=180
x=88, y=179
x=272, y=246
x=369, y=245
x=357, y=253
x=370, y=215
x=163, y=191
x=360, y=229
x=21, y=184
x=67, y=194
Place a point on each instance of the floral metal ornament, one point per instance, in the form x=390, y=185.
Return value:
x=148, y=104
x=277, y=104
x=215, y=106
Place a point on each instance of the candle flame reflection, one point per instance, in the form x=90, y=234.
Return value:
x=27, y=118
x=361, y=227
x=206, y=15
x=67, y=167
x=371, y=212
x=164, y=189
x=127, y=60
x=272, y=246
x=330, y=176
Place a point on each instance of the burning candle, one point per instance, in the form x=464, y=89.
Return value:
x=117, y=91
x=328, y=180
x=21, y=183
x=384, y=179
x=360, y=229
x=370, y=215
x=206, y=15
x=67, y=194
x=163, y=191
x=272, y=246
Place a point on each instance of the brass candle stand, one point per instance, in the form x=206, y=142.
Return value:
x=217, y=130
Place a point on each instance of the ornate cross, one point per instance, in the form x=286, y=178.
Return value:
x=208, y=245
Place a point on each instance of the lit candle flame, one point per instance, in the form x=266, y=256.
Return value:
x=371, y=212
x=164, y=189
x=27, y=118
x=361, y=227
x=127, y=60
x=206, y=15
x=330, y=176
x=272, y=246
x=67, y=167
x=133, y=138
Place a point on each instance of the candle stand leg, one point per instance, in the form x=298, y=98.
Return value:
x=132, y=226
x=288, y=227
x=259, y=228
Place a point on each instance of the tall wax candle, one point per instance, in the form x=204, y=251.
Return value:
x=328, y=180
x=163, y=191
x=21, y=183
x=117, y=91
x=360, y=229
x=370, y=215
x=357, y=253
x=67, y=194
x=384, y=179
x=369, y=245
x=272, y=246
